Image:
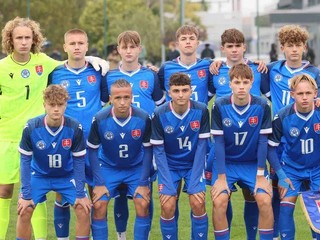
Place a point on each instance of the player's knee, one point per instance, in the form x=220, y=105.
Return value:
x=142, y=207
x=6, y=190
x=100, y=209
x=168, y=209
x=197, y=207
x=263, y=201
x=26, y=214
x=220, y=203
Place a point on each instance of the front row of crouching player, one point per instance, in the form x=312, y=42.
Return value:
x=52, y=156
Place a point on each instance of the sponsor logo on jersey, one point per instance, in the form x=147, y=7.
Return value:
x=11, y=75
x=195, y=125
x=222, y=81
x=92, y=80
x=25, y=73
x=136, y=134
x=144, y=84
x=160, y=187
x=66, y=143
x=202, y=73
x=294, y=132
x=168, y=129
x=39, y=69
x=109, y=135
x=41, y=145
x=316, y=128
x=253, y=121
x=227, y=122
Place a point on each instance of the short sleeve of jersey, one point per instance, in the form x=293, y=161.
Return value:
x=25, y=143
x=216, y=121
x=205, y=126
x=94, y=139
x=78, y=145
x=275, y=137
x=266, y=121
x=157, y=137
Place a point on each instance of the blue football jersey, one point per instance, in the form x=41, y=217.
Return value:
x=222, y=80
x=121, y=140
x=201, y=78
x=279, y=82
x=180, y=133
x=300, y=134
x=241, y=128
x=87, y=90
x=52, y=151
x=146, y=90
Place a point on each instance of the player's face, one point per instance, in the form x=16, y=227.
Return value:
x=240, y=89
x=187, y=44
x=304, y=95
x=293, y=51
x=76, y=46
x=55, y=111
x=234, y=51
x=180, y=95
x=121, y=99
x=22, y=40
x=129, y=52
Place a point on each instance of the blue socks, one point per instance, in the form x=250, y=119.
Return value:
x=61, y=219
x=141, y=228
x=169, y=228
x=99, y=229
x=251, y=218
x=286, y=220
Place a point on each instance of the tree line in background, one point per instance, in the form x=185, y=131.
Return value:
x=58, y=16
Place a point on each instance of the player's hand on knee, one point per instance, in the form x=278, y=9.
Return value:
x=98, y=192
x=164, y=198
x=219, y=186
x=85, y=203
x=214, y=67
x=144, y=192
x=200, y=196
x=283, y=186
x=24, y=204
x=263, y=183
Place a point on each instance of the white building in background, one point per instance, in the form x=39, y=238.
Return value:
x=273, y=14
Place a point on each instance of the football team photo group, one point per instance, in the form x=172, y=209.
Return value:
x=98, y=136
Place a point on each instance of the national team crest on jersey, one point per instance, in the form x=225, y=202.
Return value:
x=144, y=84
x=202, y=73
x=168, y=129
x=136, y=134
x=109, y=135
x=227, y=122
x=316, y=128
x=222, y=81
x=66, y=143
x=195, y=125
x=39, y=69
x=65, y=83
x=25, y=73
x=294, y=132
x=92, y=79
x=253, y=121
x=41, y=145
x=278, y=78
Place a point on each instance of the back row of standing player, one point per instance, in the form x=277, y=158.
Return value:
x=198, y=70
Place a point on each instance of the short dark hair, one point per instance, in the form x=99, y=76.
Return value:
x=179, y=79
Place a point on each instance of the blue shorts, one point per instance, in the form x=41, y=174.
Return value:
x=177, y=176
x=244, y=174
x=42, y=185
x=114, y=177
x=299, y=177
